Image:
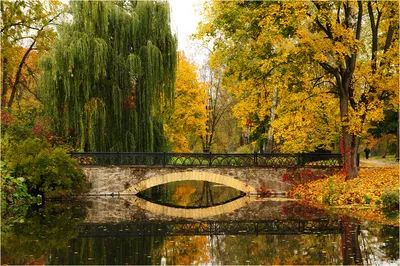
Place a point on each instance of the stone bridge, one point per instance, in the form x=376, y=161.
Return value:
x=129, y=173
x=128, y=180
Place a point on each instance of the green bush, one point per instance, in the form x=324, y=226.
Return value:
x=14, y=190
x=390, y=203
x=390, y=199
x=330, y=197
x=367, y=199
x=50, y=173
x=18, y=125
x=244, y=149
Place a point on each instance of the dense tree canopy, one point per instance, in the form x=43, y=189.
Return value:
x=187, y=123
x=110, y=77
x=336, y=56
x=26, y=31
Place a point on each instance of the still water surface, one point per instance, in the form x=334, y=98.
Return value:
x=191, y=194
x=265, y=231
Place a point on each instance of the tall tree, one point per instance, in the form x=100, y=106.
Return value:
x=345, y=48
x=110, y=78
x=28, y=24
x=187, y=123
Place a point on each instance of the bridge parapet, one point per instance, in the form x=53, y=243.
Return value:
x=168, y=159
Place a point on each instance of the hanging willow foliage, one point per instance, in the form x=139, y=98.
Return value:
x=110, y=73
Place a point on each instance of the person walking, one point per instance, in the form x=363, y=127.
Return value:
x=367, y=151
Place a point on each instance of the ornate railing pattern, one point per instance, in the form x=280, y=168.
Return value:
x=268, y=160
x=265, y=227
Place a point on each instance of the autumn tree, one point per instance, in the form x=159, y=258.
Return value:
x=110, y=78
x=360, y=53
x=27, y=28
x=346, y=49
x=187, y=122
x=242, y=53
x=219, y=101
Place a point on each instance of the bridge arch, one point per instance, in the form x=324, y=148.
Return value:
x=190, y=213
x=192, y=175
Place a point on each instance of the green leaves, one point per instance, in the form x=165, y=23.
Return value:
x=48, y=172
x=111, y=75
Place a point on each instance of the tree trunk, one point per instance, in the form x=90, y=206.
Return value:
x=18, y=75
x=270, y=140
x=349, y=141
x=4, y=83
x=398, y=135
x=351, y=251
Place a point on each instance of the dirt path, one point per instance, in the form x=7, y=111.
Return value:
x=376, y=163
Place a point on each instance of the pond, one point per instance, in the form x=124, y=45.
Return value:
x=133, y=230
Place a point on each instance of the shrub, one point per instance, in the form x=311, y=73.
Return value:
x=390, y=203
x=367, y=199
x=390, y=199
x=330, y=197
x=244, y=149
x=14, y=190
x=50, y=173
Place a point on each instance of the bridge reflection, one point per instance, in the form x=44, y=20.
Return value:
x=266, y=227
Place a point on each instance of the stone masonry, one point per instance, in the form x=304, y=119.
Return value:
x=132, y=179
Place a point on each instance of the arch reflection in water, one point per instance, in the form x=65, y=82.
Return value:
x=191, y=194
x=193, y=213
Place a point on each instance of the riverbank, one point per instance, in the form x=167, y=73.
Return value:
x=361, y=197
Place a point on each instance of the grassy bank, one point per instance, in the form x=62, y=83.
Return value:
x=373, y=195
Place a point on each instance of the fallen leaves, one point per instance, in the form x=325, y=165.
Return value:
x=363, y=191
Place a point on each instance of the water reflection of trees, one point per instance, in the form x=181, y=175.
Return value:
x=277, y=250
x=190, y=193
x=49, y=236
x=109, y=251
x=41, y=230
x=183, y=250
x=379, y=243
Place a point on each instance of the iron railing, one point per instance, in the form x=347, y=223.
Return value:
x=266, y=160
x=265, y=227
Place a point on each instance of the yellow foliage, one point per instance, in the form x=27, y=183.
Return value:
x=307, y=50
x=365, y=190
x=182, y=195
x=189, y=117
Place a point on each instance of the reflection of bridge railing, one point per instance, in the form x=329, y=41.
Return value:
x=272, y=227
x=268, y=160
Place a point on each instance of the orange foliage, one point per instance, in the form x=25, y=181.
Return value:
x=185, y=250
x=363, y=191
x=182, y=195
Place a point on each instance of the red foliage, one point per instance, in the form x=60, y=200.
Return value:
x=300, y=176
x=42, y=129
x=6, y=117
x=301, y=210
x=264, y=192
x=130, y=102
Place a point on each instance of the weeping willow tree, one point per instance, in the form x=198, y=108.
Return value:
x=111, y=74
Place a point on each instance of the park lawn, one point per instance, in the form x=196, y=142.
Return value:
x=359, y=197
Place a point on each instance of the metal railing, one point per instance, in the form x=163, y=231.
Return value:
x=266, y=160
x=265, y=227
